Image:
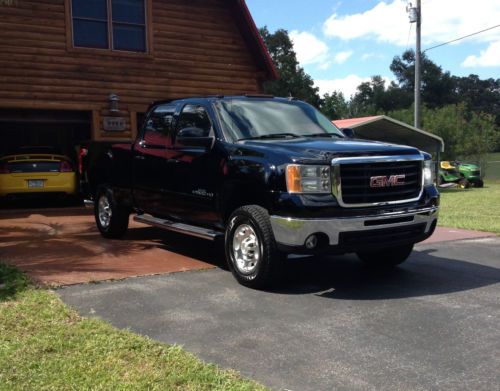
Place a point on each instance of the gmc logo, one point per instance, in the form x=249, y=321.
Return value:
x=387, y=181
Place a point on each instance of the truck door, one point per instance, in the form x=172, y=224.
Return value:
x=196, y=167
x=151, y=171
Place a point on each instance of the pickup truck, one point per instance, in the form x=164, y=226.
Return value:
x=271, y=177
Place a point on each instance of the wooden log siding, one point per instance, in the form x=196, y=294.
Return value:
x=196, y=49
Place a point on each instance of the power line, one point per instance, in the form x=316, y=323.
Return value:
x=459, y=39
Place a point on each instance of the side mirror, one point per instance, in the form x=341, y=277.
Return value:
x=348, y=132
x=194, y=137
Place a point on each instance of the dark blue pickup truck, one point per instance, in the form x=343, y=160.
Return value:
x=272, y=176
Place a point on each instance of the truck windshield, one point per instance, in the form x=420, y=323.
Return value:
x=246, y=119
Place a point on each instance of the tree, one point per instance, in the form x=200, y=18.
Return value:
x=294, y=81
x=466, y=135
x=335, y=106
x=437, y=86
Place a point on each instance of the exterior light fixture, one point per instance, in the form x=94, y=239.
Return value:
x=113, y=103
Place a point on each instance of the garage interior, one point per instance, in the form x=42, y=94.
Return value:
x=63, y=130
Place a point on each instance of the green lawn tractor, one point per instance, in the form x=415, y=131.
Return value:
x=471, y=172
x=449, y=175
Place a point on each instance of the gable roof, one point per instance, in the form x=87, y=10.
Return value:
x=253, y=39
x=383, y=128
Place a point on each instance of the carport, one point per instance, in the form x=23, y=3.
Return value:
x=61, y=129
x=387, y=129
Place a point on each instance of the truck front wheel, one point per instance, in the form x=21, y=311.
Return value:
x=111, y=218
x=251, y=248
x=388, y=257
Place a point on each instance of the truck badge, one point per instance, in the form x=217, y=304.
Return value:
x=387, y=181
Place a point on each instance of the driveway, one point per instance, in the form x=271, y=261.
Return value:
x=433, y=323
x=62, y=247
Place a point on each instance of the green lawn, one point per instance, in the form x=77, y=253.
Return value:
x=45, y=345
x=476, y=209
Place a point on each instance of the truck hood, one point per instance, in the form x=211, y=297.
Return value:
x=327, y=149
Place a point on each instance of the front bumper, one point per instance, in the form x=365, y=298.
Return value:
x=352, y=233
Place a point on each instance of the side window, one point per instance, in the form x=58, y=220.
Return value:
x=158, y=127
x=195, y=116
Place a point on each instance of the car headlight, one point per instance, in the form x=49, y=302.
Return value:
x=429, y=173
x=308, y=179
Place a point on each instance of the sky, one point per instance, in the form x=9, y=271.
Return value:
x=343, y=43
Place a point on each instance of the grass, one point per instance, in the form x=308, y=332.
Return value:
x=475, y=209
x=45, y=345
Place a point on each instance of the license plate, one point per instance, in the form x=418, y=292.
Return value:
x=35, y=184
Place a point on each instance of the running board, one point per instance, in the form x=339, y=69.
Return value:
x=198, y=232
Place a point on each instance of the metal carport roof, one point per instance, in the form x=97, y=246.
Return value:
x=387, y=129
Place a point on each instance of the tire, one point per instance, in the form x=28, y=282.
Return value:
x=479, y=183
x=111, y=218
x=249, y=237
x=387, y=257
x=463, y=183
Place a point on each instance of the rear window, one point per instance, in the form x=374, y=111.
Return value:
x=22, y=167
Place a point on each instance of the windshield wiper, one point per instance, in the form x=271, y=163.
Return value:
x=317, y=135
x=271, y=136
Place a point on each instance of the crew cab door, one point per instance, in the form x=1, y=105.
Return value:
x=151, y=169
x=196, y=167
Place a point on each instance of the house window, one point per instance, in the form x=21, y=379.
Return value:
x=109, y=24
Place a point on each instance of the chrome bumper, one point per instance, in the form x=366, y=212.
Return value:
x=294, y=232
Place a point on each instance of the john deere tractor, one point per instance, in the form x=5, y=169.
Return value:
x=471, y=172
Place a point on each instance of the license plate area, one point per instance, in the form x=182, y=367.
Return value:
x=36, y=184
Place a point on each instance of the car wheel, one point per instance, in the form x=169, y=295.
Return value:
x=388, y=257
x=251, y=249
x=111, y=218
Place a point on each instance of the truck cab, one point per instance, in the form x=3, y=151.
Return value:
x=270, y=176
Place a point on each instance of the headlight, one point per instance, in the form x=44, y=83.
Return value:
x=308, y=179
x=429, y=173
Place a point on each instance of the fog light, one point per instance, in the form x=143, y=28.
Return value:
x=311, y=242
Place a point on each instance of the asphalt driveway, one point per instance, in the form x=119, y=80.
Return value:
x=434, y=323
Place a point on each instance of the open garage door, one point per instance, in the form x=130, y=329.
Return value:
x=62, y=130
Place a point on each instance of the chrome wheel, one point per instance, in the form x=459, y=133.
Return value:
x=104, y=211
x=246, y=249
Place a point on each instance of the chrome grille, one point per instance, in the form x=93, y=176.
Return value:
x=353, y=180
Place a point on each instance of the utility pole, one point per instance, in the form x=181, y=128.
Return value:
x=416, y=17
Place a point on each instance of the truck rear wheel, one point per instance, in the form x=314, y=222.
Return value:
x=388, y=257
x=251, y=250
x=111, y=218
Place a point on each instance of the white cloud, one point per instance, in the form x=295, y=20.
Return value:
x=488, y=58
x=346, y=85
x=342, y=57
x=443, y=20
x=309, y=49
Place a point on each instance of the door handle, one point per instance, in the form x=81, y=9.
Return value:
x=139, y=157
x=173, y=161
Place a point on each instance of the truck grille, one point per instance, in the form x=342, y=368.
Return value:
x=357, y=188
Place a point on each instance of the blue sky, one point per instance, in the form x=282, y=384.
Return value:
x=341, y=43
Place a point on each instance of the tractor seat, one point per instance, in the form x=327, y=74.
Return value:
x=446, y=166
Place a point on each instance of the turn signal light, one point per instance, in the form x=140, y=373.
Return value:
x=293, y=179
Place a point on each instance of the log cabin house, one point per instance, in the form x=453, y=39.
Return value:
x=80, y=70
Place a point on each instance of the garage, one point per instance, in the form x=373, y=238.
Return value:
x=61, y=130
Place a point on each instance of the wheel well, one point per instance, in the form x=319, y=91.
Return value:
x=236, y=196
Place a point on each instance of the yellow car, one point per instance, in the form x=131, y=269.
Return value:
x=37, y=173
